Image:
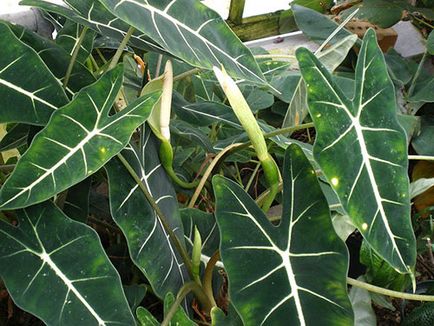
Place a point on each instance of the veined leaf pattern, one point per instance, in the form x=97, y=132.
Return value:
x=274, y=274
x=79, y=139
x=93, y=14
x=56, y=269
x=374, y=187
x=149, y=244
x=28, y=90
x=198, y=36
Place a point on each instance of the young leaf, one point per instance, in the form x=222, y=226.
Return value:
x=200, y=37
x=56, y=269
x=79, y=139
x=28, y=90
x=364, y=131
x=149, y=244
x=293, y=272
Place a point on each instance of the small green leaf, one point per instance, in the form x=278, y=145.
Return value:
x=219, y=318
x=57, y=269
x=145, y=318
x=364, y=131
x=28, y=90
x=274, y=272
x=79, y=139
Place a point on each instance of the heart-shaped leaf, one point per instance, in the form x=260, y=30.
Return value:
x=79, y=139
x=28, y=90
x=200, y=37
x=56, y=269
x=149, y=244
x=294, y=272
x=362, y=151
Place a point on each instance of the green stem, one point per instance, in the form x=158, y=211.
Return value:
x=95, y=64
x=183, y=292
x=417, y=74
x=114, y=61
x=74, y=57
x=390, y=293
x=289, y=130
x=180, y=248
x=166, y=158
x=252, y=177
x=420, y=158
x=274, y=56
x=186, y=74
x=101, y=56
x=224, y=152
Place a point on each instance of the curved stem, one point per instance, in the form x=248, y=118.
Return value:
x=207, y=277
x=74, y=56
x=186, y=289
x=390, y=293
x=209, y=171
x=180, y=248
x=114, y=61
x=231, y=147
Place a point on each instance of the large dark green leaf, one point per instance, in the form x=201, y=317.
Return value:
x=56, y=269
x=28, y=90
x=93, y=14
x=56, y=59
x=79, y=139
x=191, y=31
x=150, y=247
x=289, y=274
x=362, y=151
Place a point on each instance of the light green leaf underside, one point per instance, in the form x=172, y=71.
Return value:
x=200, y=36
x=28, y=90
x=273, y=272
x=362, y=151
x=93, y=14
x=149, y=244
x=56, y=269
x=79, y=139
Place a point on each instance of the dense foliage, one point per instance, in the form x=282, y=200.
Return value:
x=155, y=169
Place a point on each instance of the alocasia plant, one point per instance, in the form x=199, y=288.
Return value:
x=181, y=207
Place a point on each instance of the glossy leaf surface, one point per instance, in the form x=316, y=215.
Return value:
x=68, y=38
x=79, y=139
x=93, y=14
x=56, y=59
x=364, y=130
x=200, y=36
x=149, y=244
x=56, y=269
x=28, y=90
x=273, y=272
